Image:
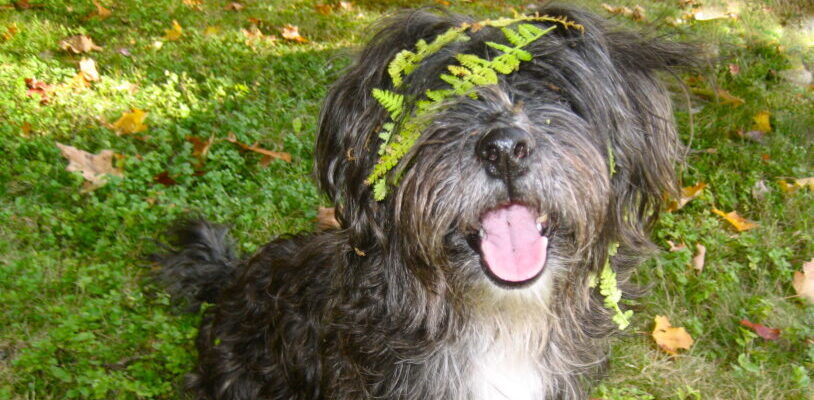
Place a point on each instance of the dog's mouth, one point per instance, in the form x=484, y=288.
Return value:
x=513, y=243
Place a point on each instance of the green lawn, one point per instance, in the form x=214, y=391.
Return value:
x=79, y=318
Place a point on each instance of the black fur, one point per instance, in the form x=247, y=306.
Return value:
x=395, y=304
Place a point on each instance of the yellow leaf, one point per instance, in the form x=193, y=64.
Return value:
x=292, y=33
x=762, y=122
x=93, y=167
x=670, y=339
x=804, y=182
x=741, y=224
x=687, y=193
x=786, y=187
x=803, y=282
x=132, y=122
x=11, y=30
x=174, y=33
x=211, y=30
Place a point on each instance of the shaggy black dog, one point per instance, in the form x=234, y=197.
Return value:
x=474, y=275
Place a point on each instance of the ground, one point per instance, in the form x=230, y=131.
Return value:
x=80, y=319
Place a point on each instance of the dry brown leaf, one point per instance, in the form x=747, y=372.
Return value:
x=130, y=122
x=670, y=339
x=194, y=4
x=636, y=13
x=326, y=219
x=762, y=330
x=722, y=95
x=254, y=35
x=803, y=282
x=324, y=9
x=711, y=13
x=94, y=167
x=11, y=30
x=175, y=32
x=292, y=33
x=200, y=147
x=101, y=12
x=234, y=6
x=687, y=194
x=165, y=179
x=25, y=129
x=676, y=247
x=739, y=223
x=698, y=258
x=38, y=88
x=279, y=155
x=346, y=5
x=78, y=44
x=87, y=67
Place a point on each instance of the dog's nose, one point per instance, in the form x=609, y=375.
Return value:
x=505, y=152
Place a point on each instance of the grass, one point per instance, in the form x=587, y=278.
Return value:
x=80, y=319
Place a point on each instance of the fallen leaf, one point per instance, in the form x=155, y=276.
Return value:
x=762, y=122
x=175, y=32
x=676, y=247
x=130, y=122
x=803, y=282
x=78, y=44
x=636, y=13
x=165, y=179
x=346, y=5
x=38, y=88
x=233, y=6
x=94, y=167
x=11, y=30
x=698, y=258
x=25, y=129
x=124, y=51
x=194, y=4
x=444, y=3
x=761, y=330
x=670, y=339
x=87, y=67
x=734, y=69
x=741, y=224
x=759, y=190
x=272, y=154
x=724, y=96
x=324, y=9
x=710, y=13
x=786, y=187
x=292, y=33
x=804, y=182
x=326, y=219
x=101, y=12
x=211, y=30
x=687, y=194
x=200, y=147
x=254, y=35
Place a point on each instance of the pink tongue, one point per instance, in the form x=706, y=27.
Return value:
x=512, y=247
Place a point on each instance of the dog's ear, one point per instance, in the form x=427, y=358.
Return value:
x=646, y=149
x=347, y=141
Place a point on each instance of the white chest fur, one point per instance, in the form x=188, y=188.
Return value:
x=504, y=371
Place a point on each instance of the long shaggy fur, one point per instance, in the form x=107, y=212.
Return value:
x=396, y=303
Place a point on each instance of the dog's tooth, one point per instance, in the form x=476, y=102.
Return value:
x=481, y=233
x=542, y=219
x=540, y=228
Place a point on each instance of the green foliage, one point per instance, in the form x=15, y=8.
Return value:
x=473, y=72
x=608, y=287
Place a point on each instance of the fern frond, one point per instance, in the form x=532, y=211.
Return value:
x=392, y=102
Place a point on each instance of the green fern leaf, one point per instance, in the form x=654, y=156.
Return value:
x=380, y=189
x=392, y=102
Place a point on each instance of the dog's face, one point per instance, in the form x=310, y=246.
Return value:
x=531, y=177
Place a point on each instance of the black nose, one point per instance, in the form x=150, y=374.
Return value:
x=505, y=152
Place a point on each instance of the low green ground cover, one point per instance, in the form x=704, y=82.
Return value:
x=79, y=319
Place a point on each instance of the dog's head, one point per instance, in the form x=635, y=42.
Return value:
x=568, y=153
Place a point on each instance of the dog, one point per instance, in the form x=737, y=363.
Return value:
x=487, y=175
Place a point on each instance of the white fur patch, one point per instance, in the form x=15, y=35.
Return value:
x=506, y=374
